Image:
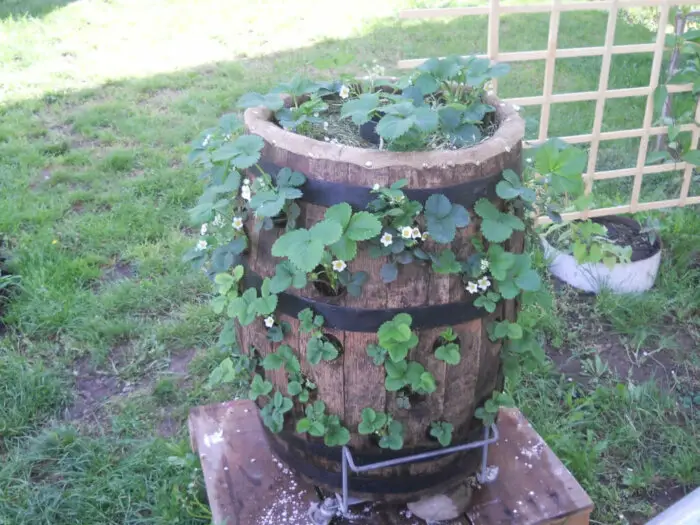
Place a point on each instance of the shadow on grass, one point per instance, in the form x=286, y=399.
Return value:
x=29, y=8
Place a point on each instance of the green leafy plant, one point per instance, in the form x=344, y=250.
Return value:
x=506, y=329
x=496, y=225
x=489, y=411
x=318, y=424
x=273, y=412
x=320, y=349
x=411, y=374
x=588, y=242
x=315, y=421
x=285, y=357
x=396, y=337
x=304, y=248
x=372, y=422
x=377, y=353
x=310, y=322
x=443, y=218
x=442, y=431
x=300, y=386
x=449, y=353
x=259, y=387
x=270, y=198
x=392, y=437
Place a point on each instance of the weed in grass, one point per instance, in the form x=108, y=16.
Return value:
x=165, y=391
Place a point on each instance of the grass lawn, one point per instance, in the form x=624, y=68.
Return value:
x=107, y=338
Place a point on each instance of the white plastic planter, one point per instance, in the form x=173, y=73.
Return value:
x=633, y=277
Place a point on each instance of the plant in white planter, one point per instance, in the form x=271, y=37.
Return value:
x=613, y=253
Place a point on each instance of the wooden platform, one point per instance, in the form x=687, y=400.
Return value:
x=247, y=485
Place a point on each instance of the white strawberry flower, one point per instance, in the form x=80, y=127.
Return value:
x=201, y=245
x=484, y=265
x=484, y=283
x=424, y=236
x=246, y=182
x=416, y=233
x=237, y=223
x=387, y=239
x=245, y=192
x=339, y=265
x=344, y=92
x=203, y=229
x=269, y=321
x=375, y=187
x=472, y=287
x=325, y=126
x=407, y=232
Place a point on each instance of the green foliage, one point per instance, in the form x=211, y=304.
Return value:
x=449, y=353
x=318, y=424
x=315, y=421
x=320, y=349
x=359, y=226
x=396, y=337
x=393, y=436
x=372, y=421
x=511, y=187
x=442, y=431
x=588, y=242
x=286, y=275
x=506, y=329
x=489, y=411
x=283, y=357
x=377, y=353
x=235, y=371
x=304, y=248
x=270, y=200
x=446, y=262
x=310, y=322
x=411, y=374
x=496, y=226
x=353, y=282
x=443, y=218
x=259, y=387
x=488, y=301
x=300, y=386
x=273, y=412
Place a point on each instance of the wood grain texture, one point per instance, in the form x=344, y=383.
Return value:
x=533, y=486
x=246, y=484
x=353, y=382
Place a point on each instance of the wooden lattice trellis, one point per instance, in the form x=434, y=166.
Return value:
x=495, y=9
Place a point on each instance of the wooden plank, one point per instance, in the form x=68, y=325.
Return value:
x=247, y=485
x=533, y=486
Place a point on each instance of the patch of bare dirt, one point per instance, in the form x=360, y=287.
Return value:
x=118, y=271
x=92, y=389
x=181, y=361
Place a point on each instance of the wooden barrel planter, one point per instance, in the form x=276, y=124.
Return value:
x=351, y=382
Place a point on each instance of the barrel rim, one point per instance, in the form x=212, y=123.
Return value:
x=510, y=131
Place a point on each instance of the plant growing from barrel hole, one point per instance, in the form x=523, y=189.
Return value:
x=273, y=412
x=388, y=430
x=318, y=424
x=448, y=350
x=319, y=347
x=442, y=431
x=396, y=337
x=300, y=386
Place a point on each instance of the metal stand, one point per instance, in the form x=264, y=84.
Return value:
x=321, y=514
